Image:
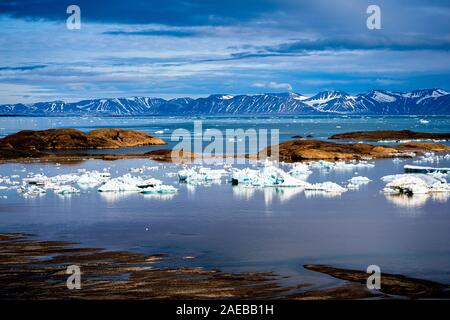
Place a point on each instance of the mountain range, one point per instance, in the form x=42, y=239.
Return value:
x=376, y=102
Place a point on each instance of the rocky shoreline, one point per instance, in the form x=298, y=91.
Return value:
x=30, y=145
x=391, y=135
x=35, y=269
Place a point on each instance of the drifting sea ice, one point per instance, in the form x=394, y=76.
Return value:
x=411, y=184
x=197, y=176
x=356, y=182
x=327, y=186
x=126, y=182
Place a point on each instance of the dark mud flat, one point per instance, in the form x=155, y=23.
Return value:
x=31, y=269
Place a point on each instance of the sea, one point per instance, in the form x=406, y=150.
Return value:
x=237, y=229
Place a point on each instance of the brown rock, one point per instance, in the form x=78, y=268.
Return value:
x=390, y=135
x=392, y=284
x=30, y=142
x=304, y=150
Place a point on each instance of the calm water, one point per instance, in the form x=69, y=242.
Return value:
x=244, y=229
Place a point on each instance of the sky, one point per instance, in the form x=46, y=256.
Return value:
x=177, y=48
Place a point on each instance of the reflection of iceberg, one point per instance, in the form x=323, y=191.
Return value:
x=159, y=196
x=404, y=201
x=440, y=196
x=116, y=196
x=318, y=193
x=243, y=192
x=285, y=194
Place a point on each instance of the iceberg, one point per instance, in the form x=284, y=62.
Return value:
x=124, y=183
x=327, y=186
x=411, y=184
x=63, y=190
x=268, y=176
x=357, y=181
x=163, y=189
x=201, y=175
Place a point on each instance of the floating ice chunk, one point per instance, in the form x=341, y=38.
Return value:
x=414, y=184
x=160, y=189
x=149, y=183
x=66, y=190
x=200, y=175
x=322, y=164
x=327, y=186
x=421, y=169
x=123, y=183
x=357, y=182
x=340, y=165
x=300, y=170
x=38, y=179
x=268, y=176
x=93, y=178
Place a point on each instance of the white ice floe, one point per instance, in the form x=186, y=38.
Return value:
x=300, y=170
x=201, y=175
x=431, y=157
x=131, y=183
x=65, y=189
x=159, y=189
x=414, y=184
x=268, y=176
x=341, y=165
x=93, y=178
x=357, y=181
x=126, y=182
x=327, y=186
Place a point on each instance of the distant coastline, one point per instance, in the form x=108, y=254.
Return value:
x=374, y=102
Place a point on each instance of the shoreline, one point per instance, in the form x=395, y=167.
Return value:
x=35, y=269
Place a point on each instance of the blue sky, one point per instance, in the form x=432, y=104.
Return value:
x=175, y=48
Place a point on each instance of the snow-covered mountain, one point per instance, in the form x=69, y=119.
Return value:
x=420, y=102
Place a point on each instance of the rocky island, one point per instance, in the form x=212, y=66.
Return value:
x=30, y=143
x=391, y=135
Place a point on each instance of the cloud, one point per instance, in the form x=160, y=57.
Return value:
x=273, y=85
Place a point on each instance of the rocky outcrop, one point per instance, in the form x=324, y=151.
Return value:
x=392, y=284
x=303, y=150
x=30, y=143
x=390, y=135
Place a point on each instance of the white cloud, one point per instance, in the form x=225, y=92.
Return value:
x=273, y=85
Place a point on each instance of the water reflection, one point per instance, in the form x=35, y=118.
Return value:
x=404, y=201
x=320, y=193
x=111, y=197
x=159, y=196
